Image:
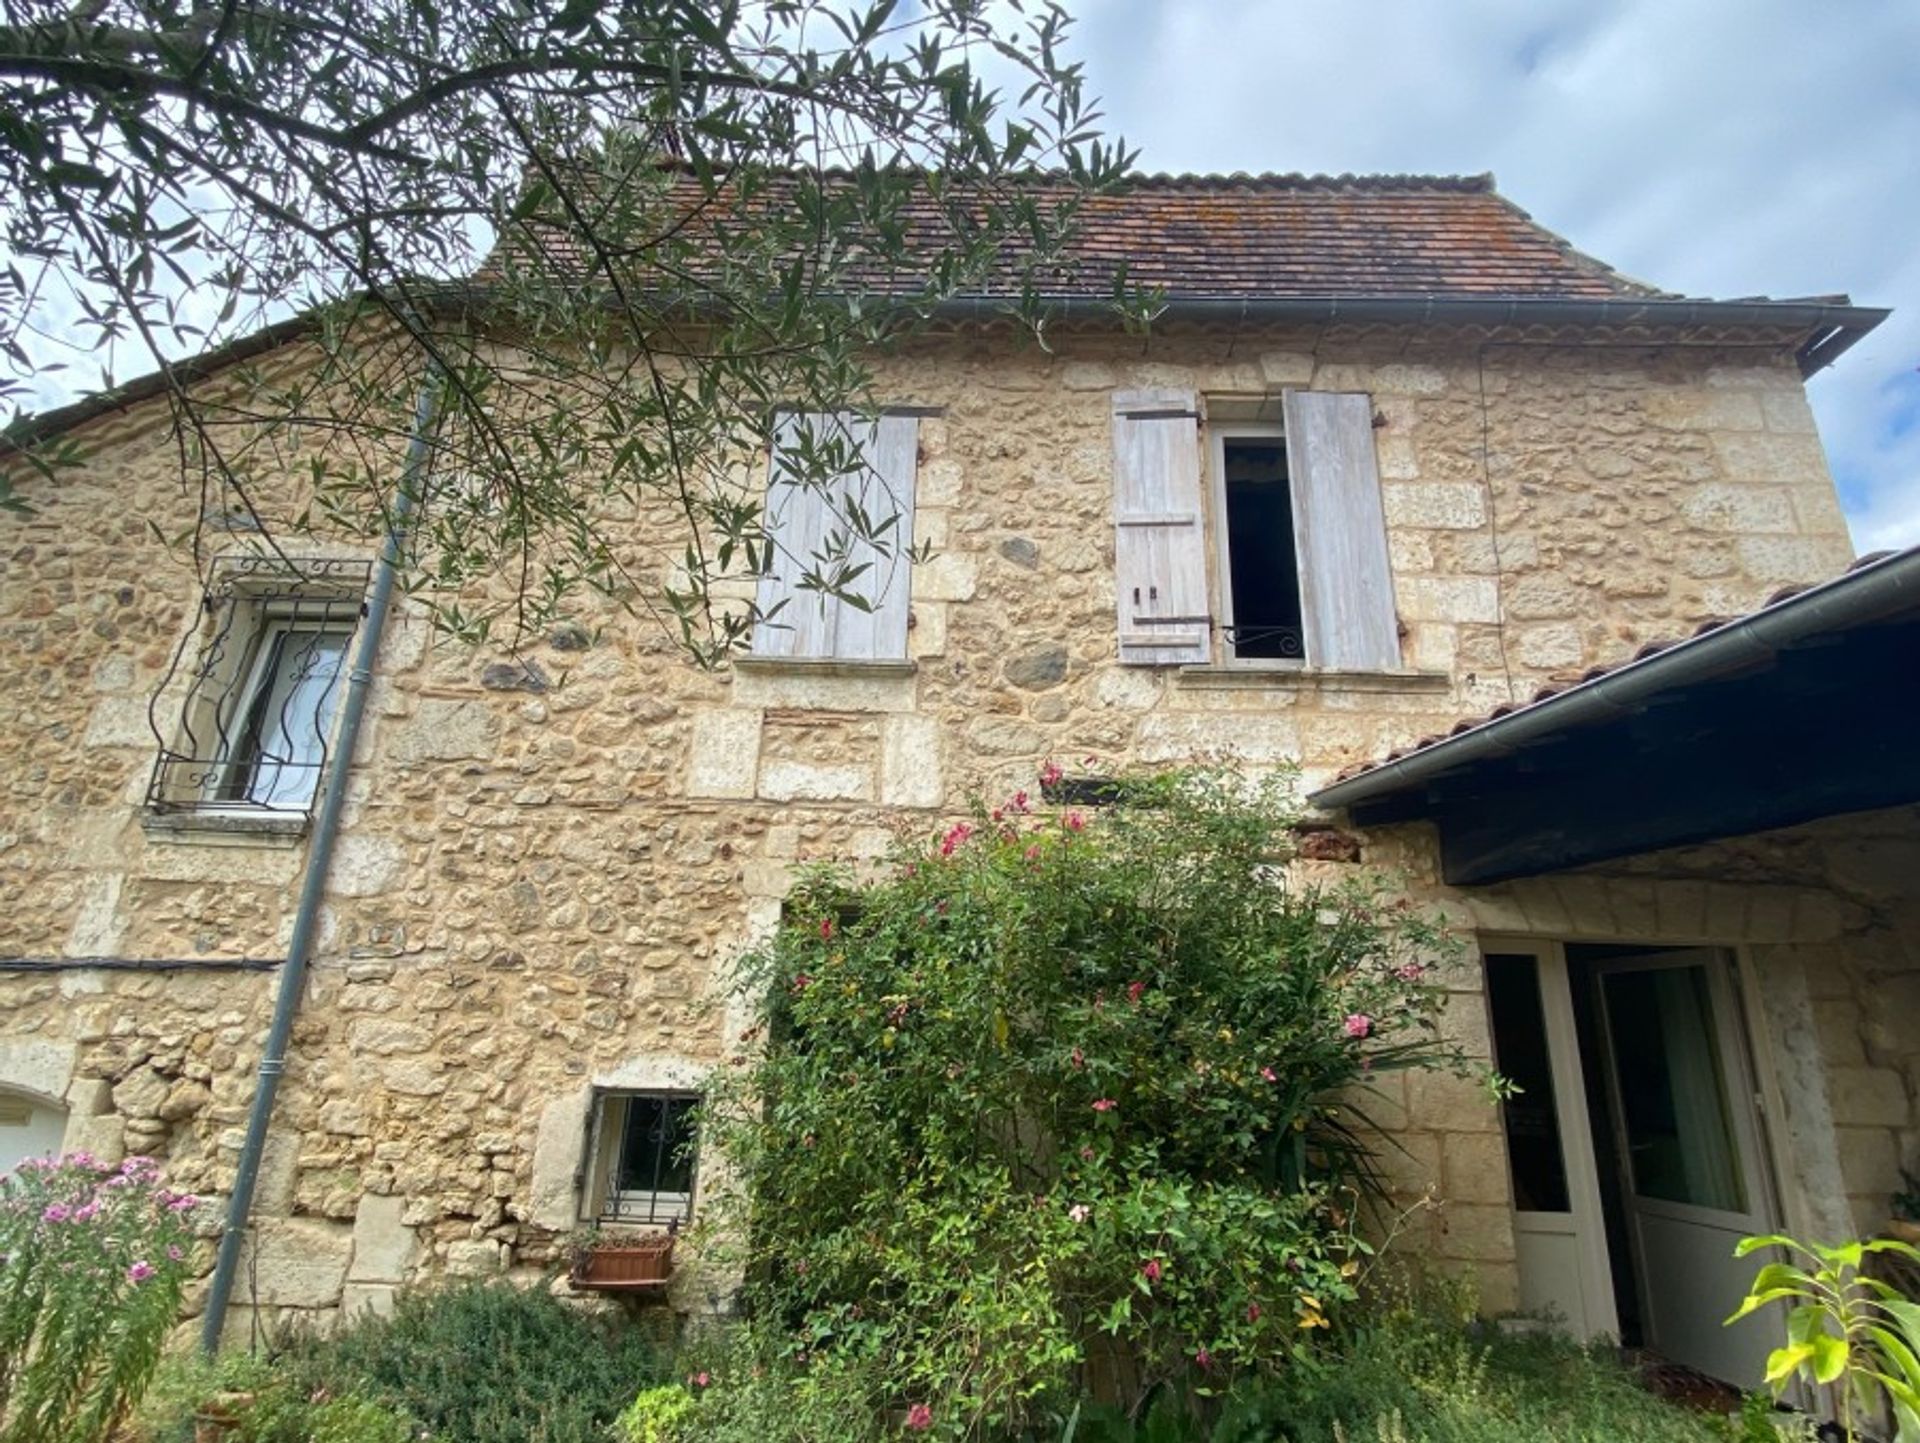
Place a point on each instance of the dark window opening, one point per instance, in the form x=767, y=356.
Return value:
x=1262, y=565
x=1520, y=1052
x=649, y=1175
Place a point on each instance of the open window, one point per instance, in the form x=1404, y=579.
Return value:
x=262, y=690
x=641, y=1156
x=1261, y=616
x=1299, y=571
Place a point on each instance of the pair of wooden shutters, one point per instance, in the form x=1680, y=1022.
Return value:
x=1160, y=548
x=810, y=524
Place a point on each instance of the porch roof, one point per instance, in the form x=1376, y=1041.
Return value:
x=1806, y=708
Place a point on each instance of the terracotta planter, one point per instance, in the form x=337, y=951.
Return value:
x=644, y=1265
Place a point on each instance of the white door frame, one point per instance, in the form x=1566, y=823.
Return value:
x=1584, y=1223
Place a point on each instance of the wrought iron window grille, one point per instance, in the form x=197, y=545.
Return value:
x=641, y=1158
x=263, y=676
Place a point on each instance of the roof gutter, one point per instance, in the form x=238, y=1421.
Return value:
x=1879, y=589
x=1834, y=326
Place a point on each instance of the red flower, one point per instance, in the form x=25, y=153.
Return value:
x=1134, y=989
x=826, y=929
x=802, y=982
x=919, y=1417
x=1150, y=1270
x=1253, y=1312
x=1020, y=802
x=1105, y=1104
x=955, y=838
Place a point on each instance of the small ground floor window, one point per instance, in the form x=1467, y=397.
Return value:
x=642, y=1158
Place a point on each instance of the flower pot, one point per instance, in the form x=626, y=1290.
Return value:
x=638, y=1266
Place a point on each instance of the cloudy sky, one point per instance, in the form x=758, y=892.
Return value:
x=1716, y=147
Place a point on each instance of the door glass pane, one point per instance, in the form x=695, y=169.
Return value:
x=1673, y=1095
x=1520, y=1052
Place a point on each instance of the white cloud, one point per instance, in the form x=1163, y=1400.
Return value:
x=1715, y=147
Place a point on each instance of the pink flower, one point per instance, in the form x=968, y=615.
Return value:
x=140, y=1271
x=1020, y=804
x=1086, y=1153
x=1033, y=853
x=1269, y=1074
x=1050, y=774
x=1150, y=1270
x=826, y=929
x=1079, y=1212
x=86, y=1212
x=1410, y=971
x=1358, y=1024
x=1104, y=1104
x=701, y=1379
x=919, y=1417
x=56, y=1213
x=174, y=1254
x=1203, y=1358
x=186, y=1202
x=1075, y=822
x=1134, y=989
x=955, y=838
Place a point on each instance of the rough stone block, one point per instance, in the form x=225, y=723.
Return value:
x=950, y=576
x=1193, y=736
x=366, y=1300
x=801, y=687
x=1475, y=1232
x=476, y=1258
x=724, y=756
x=383, y=1247
x=296, y=1262
x=1437, y=505
x=119, y=721
x=1286, y=368
x=1548, y=647
x=1732, y=507
x=1475, y=1168
x=39, y=1068
x=787, y=781
x=441, y=729
x=910, y=762
x=366, y=866
x=1869, y=1096
x=1448, y=598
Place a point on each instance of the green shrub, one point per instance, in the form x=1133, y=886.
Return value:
x=265, y=1403
x=92, y=1266
x=1059, y=1076
x=661, y=1414
x=486, y=1363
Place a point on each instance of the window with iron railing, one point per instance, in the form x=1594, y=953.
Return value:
x=258, y=688
x=641, y=1158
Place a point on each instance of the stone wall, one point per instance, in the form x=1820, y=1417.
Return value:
x=542, y=876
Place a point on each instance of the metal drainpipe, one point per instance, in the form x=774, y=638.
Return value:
x=326, y=829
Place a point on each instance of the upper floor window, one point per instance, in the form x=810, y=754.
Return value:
x=1299, y=567
x=839, y=522
x=262, y=690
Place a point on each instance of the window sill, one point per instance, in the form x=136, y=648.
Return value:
x=782, y=683
x=226, y=829
x=1242, y=678
x=821, y=666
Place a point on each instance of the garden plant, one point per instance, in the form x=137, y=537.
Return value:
x=93, y=1260
x=1064, y=1098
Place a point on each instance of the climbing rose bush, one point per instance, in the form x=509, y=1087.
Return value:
x=1059, y=1074
x=93, y=1260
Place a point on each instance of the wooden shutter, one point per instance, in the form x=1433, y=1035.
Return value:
x=881, y=489
x=1346, y=583
x=1159, y=549
x=803, y=518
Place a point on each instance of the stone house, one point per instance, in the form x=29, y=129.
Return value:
x=1392, y=456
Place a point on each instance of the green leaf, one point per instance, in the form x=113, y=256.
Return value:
x=1783, y=1363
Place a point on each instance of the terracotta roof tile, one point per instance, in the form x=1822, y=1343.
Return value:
x=1305, y=236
